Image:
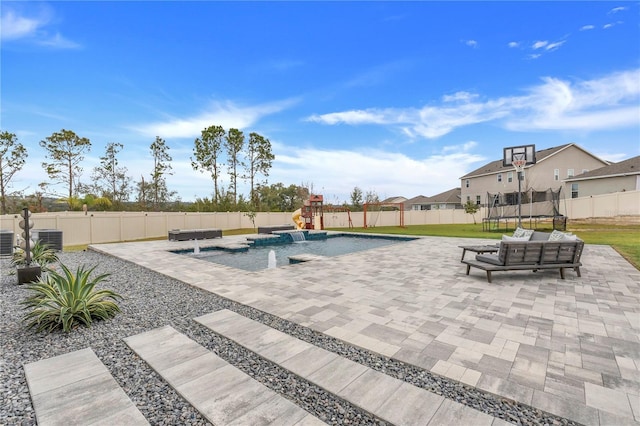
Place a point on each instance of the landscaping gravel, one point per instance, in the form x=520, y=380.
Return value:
x=153, y=300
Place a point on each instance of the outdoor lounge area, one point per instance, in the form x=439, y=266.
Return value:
x=566, y=347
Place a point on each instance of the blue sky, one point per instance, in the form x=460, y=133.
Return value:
x=399, y=98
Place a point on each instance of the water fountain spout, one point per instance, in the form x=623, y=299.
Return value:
x=196, y=247
x=271, y=262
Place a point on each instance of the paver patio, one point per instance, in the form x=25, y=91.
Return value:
x=569, y=347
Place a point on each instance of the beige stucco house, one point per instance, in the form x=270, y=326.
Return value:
x=553, y=166
x=617, y=177
x=445, y=200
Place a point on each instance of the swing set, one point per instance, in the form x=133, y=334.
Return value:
x=399, y=206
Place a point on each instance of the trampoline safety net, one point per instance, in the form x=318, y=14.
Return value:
x=534, y=204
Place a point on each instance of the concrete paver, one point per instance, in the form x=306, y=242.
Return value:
x=388, y=398
x=77, y=389
x=589, y=326
x=221, y=392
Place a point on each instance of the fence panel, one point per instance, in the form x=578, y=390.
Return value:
x=100, y=227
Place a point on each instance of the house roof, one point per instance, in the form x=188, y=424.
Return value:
x=496, y=166
x=450, y=196
x=396, y=200
x=627, y=167
x=420, y=199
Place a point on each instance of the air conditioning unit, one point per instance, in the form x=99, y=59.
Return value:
x=6, y=243
x=51, y=237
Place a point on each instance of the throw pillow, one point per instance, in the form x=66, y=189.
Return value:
x=521, y=232
x=570, y=237
x=556, y=236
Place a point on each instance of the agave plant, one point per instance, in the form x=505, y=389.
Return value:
x=67, y=300
x=42, y=255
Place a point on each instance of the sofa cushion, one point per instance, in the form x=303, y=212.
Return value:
x=508, y=238
x=489, y=258
x=521, y=232
x=539, y=236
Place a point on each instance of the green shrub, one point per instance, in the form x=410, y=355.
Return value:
x=42, y=255
x=68, y=300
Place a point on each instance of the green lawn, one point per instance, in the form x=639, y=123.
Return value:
x=625, y=239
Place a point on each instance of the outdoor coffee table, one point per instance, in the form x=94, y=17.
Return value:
x=478, y=249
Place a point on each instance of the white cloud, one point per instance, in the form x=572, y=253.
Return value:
x=611, y=24
x=59, y=42
x=539, y=44
x=459, y=96
x=587, y=27
x=514, y=44
x=610, y=102
x=370, y=116
x=616, y=10
x=226, y=114
x=15, y=27
x=555, y=45
x=336, y=173
x=471, y=43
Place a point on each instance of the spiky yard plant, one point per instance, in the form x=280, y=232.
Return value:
x=67, y=300
x=43, y=255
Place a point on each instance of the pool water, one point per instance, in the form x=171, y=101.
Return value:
x=256, y=258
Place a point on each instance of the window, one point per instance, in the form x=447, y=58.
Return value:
x=510, y=177
x=574, y=190
x=499, y=177
x=511, y=198
x=466, y=183
x=468, y=198
x=477, y=199
x=569, y=173
x=556, y=174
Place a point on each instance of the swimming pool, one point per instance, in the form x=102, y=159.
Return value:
x=256, y=258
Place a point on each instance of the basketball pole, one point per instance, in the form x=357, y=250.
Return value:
x=519, y=161
x=519, y=199
x=518, y=157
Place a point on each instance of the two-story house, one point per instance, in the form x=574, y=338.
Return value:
x=616, y=177
x=553, y=166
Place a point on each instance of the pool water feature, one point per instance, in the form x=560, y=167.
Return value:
x=297, y=236
x=257, y=258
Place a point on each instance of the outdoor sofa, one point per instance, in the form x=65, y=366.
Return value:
x=536, y=250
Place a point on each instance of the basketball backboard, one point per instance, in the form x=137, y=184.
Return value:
x=514, y=152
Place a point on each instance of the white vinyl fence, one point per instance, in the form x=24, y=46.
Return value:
x=104, y=227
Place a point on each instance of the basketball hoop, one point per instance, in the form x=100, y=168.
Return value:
x=518, y=161
x=519, y=164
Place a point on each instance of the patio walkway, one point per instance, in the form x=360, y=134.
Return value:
x=569, y=347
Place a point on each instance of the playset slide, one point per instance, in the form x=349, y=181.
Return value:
x=297, y=219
